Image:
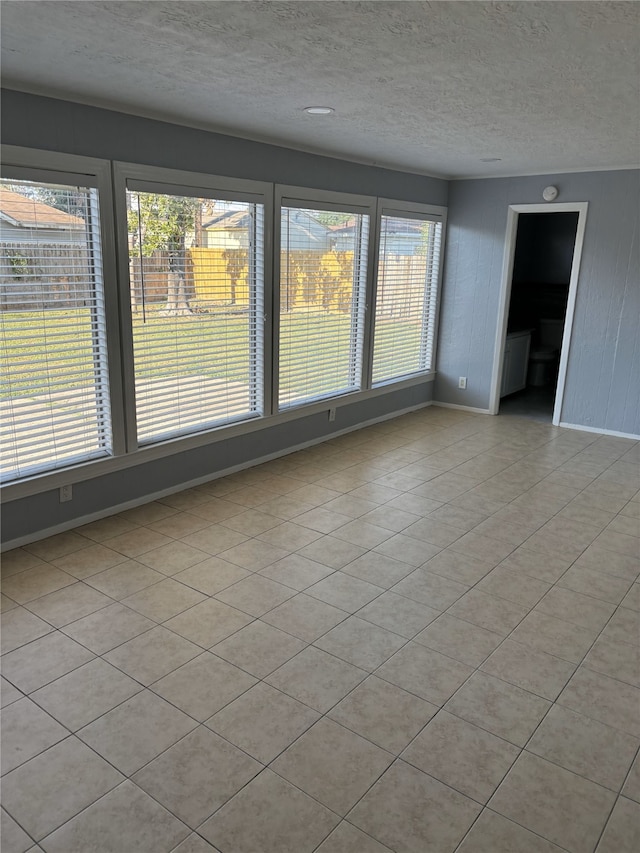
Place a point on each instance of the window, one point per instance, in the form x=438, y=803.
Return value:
x=322, y=303
x=196, y=288
x=137, y=306
x=406, y=296
x=54, y=397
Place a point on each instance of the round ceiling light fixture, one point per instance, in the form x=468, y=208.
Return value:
x=319, y=111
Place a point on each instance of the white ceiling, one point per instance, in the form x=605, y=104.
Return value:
x=422, y=86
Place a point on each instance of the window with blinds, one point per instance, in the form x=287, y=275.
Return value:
x=54, y=400
x=406, y=296
x=323, y=260
x=196, y=285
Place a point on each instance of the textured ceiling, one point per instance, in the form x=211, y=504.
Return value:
x=422, y=86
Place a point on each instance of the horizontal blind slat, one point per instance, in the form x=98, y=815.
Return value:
x=54, y=395
x=404, y=323
x=197, y=298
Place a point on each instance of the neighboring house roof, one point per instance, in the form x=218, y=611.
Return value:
x=393, y=225
x=23, y=212
x=301, y=225
x=230, y=220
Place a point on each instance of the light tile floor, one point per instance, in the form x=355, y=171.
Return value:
x=422, y=636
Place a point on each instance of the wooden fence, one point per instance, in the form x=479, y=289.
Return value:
x=55, y=276
x=38, y=276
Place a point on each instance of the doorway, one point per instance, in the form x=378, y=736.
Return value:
x=537, y=300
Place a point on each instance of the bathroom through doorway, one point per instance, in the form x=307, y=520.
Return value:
x=540, y=277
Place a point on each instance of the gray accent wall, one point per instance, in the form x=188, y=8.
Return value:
x=602, y=390
x=28, y=516
x=45, y=123
x=37, y=122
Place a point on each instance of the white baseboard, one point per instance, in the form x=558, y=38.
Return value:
x=462, y=408
x=600, y=431
x=199, y=481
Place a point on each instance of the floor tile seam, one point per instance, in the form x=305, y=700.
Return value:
x=393, y=758
x=406, y=642
x=557, y=763
x=509, y=636
x=321, y=716
x=101, y=797
x=88, y=586
x=66, y=736
x=595, y=597
x=628, y=774
x=573, y=773
x=51, y=630
x=511, y=820
x=607, y=821
x=530, y=649
x=423, y=773
x=48, y=565
x=46, y=684
x=307, y=591
x=102, y=655
x=27, y=833
x=108, y=651
x=262, y=767
x=33, y=698
x=30, y=545
x=123, y=778
x=585, y=664
x=599, y=636
x=556, y=700
x=481, y=803
x=344, y=820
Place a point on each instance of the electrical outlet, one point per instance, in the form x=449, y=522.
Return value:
x=66, y=493
x=332, y=414
x=462, y=382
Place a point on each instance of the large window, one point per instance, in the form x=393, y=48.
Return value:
x=322, y=303
x=139, y=305
x=54, y=396
x=406, y=296
x=196, y=287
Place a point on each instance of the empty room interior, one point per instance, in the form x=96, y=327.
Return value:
x=320, y=427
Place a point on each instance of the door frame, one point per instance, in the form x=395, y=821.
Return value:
x=505, y=296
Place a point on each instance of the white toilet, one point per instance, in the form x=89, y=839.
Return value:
x=543, y=358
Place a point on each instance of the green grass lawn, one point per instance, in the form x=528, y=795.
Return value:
x=216, y=345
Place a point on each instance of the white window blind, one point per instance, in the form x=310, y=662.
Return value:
x=196, y=284
x=54, y=400
x=406, y=296
x=323, y=262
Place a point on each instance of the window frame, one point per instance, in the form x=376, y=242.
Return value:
x=54, y=167
x=302, y=197
x=110, y=177
x=407, y=210
x=143, y=178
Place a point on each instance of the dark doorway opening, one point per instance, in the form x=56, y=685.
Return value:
x=545, y=244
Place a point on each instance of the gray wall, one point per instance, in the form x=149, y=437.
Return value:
x=27, y=516
x=37, y=122
x=602, y=389
x=49, y=124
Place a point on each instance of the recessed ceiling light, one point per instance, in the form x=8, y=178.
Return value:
x=490, y=159
x=319, y=111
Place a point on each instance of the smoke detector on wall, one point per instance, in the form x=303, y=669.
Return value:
x=550, y=193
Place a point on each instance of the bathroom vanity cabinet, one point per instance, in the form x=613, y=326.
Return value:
x=516, y=362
